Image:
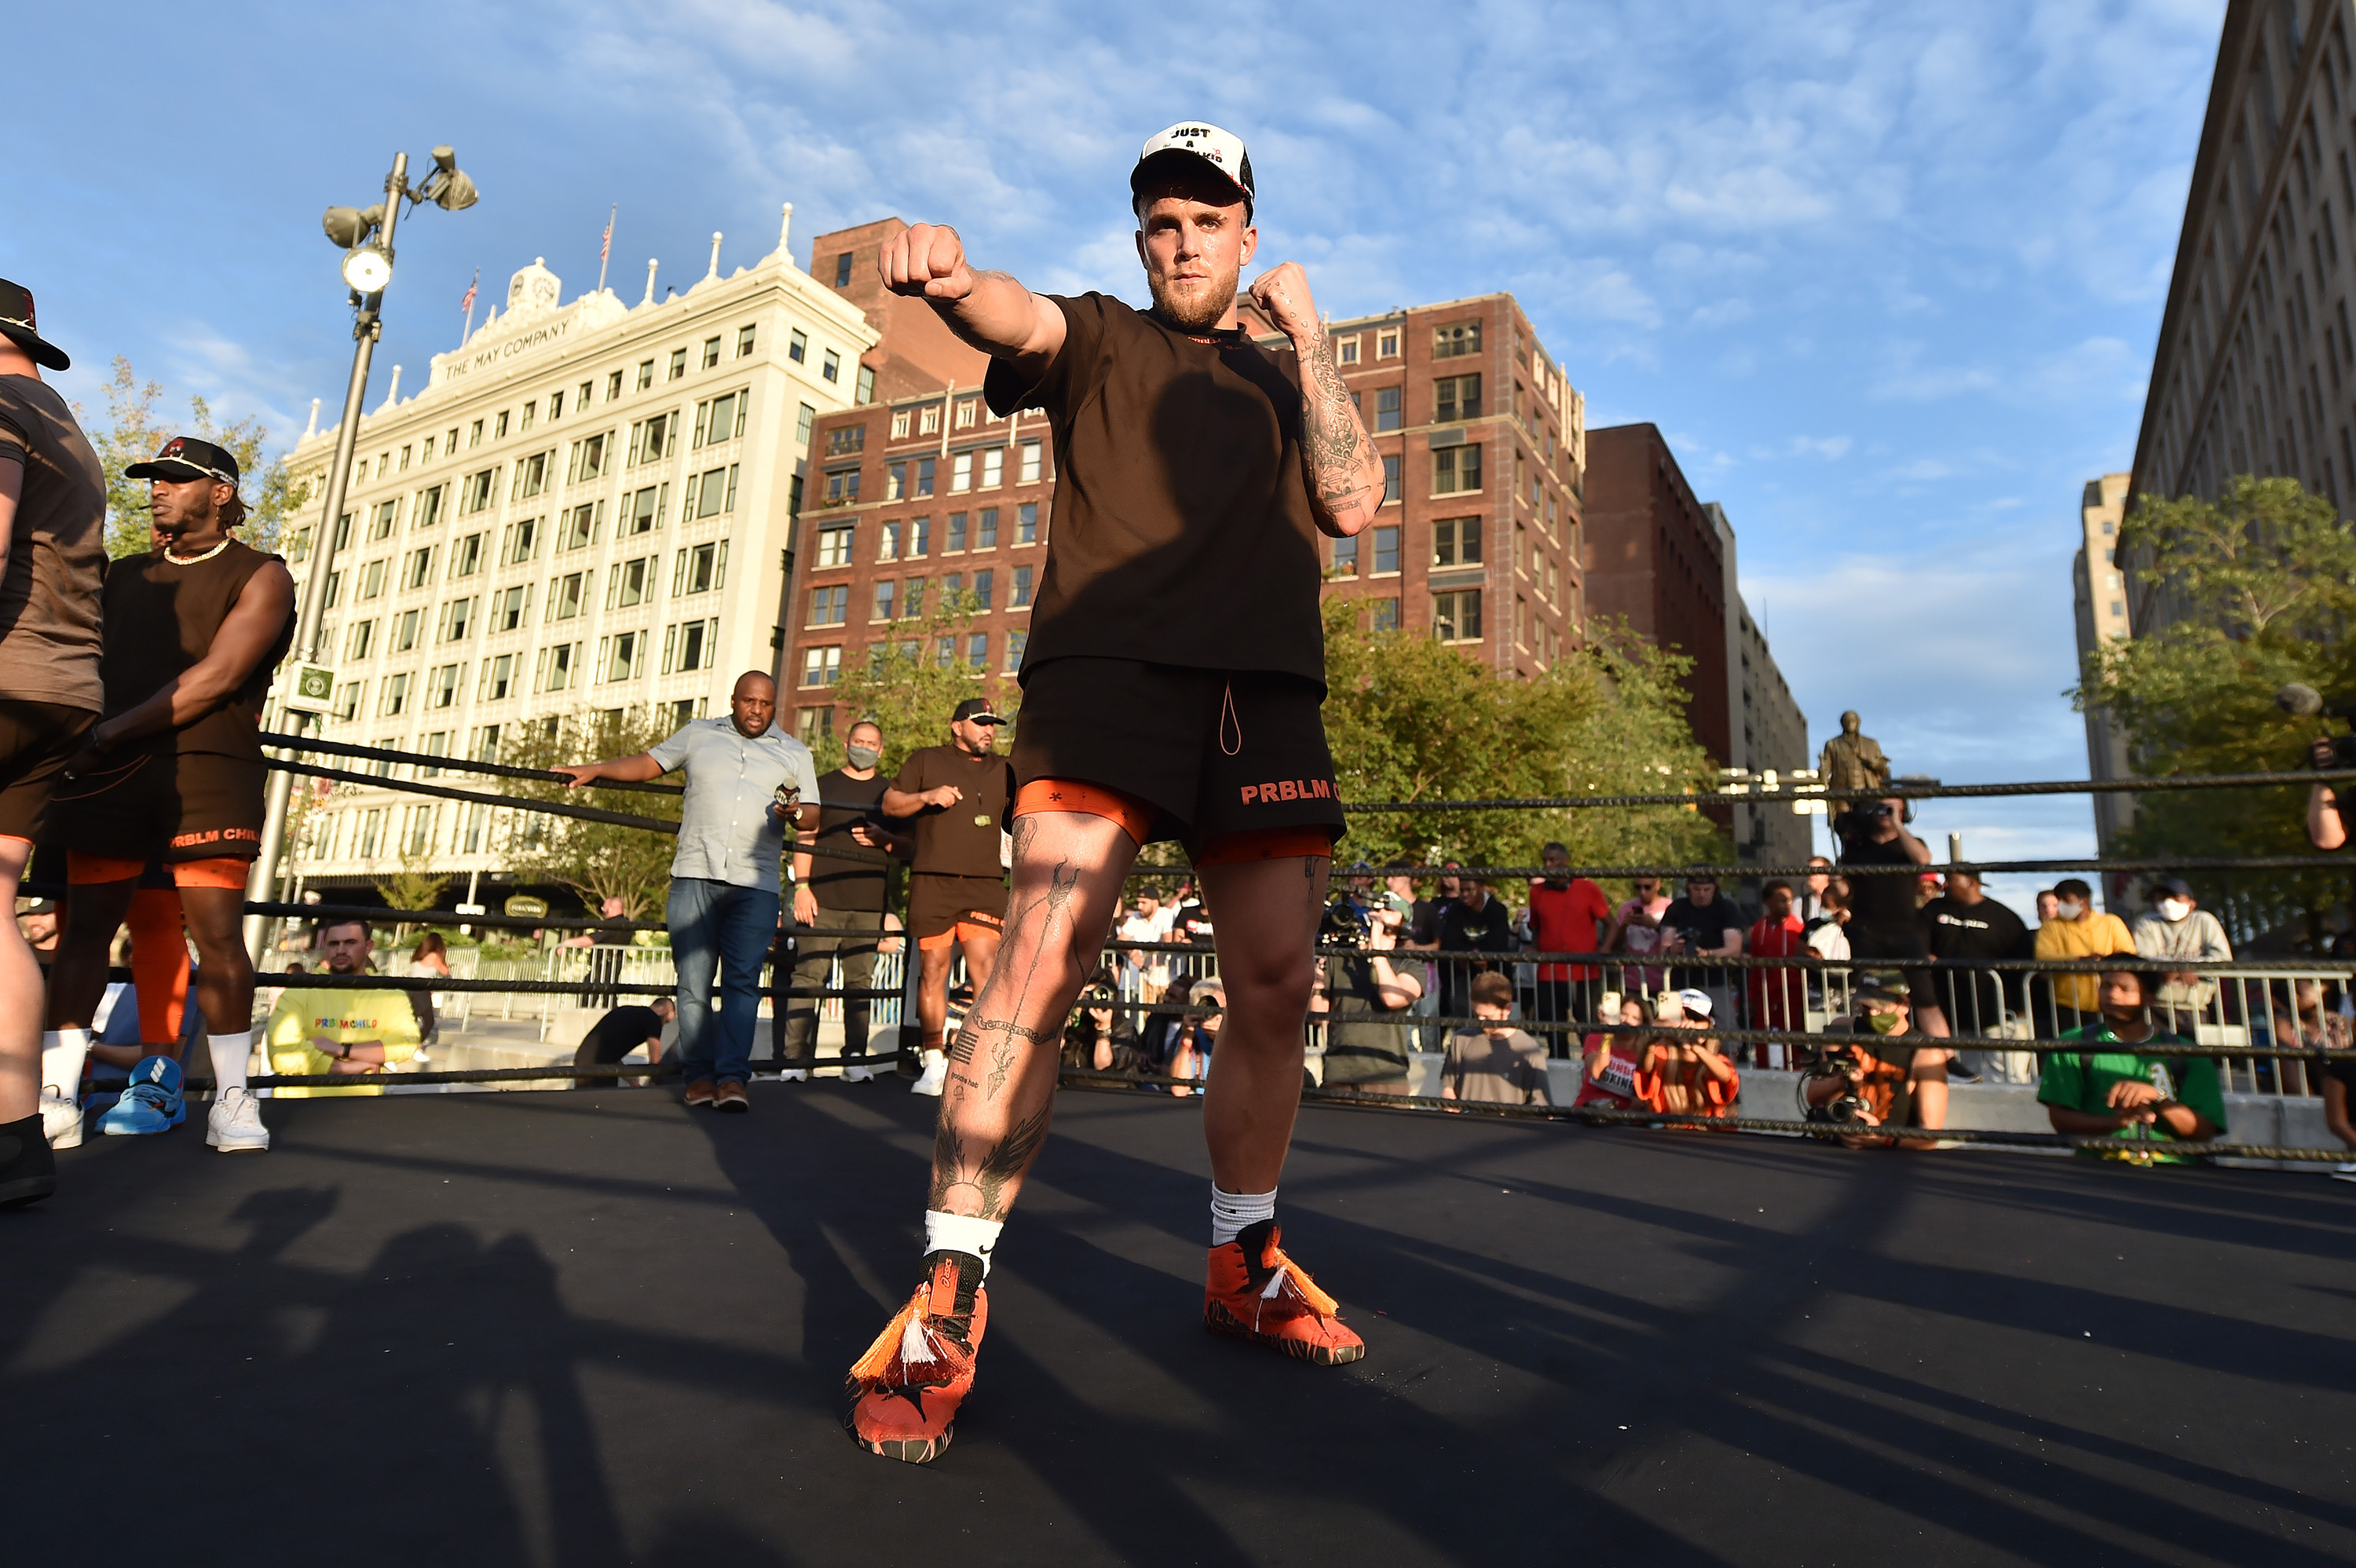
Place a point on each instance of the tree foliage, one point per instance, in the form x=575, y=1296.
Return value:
x=133, y=432
x=598, y=860
x=910, y=686
x=2264, y=579
x=1411, y=718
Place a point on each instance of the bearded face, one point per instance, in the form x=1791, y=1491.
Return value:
x=1194, y=236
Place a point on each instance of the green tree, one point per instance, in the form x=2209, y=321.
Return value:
x=132, y=433
x=2264, y=580
x=598, y=860
x=910, y=685
x=413, y=884
x=1411, y=719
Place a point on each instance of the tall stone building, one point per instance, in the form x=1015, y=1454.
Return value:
x=1765, y=731
x=1656, y=559
x=2099, y=599
x=926, y=492
x=585, y=507
x=2255, y=354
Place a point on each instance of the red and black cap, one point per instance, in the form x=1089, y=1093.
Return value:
x=1200, y=141
x=976, y=708
x=16, y=325
x=186, y=457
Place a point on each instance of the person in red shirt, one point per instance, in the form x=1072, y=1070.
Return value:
x=1568, y=914
x=1614, y=1061
x=1779, y=998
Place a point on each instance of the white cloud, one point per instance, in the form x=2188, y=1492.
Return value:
x=1832, y=448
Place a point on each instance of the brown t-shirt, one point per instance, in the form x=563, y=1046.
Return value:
x=161, y=618
x=57, y=551
x=1180, y=504
x=960, y=840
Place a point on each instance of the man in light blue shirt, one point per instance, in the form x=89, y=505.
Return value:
x=747, y=785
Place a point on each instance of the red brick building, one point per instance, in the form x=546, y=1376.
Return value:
x=1654, y=556
x=920, y=490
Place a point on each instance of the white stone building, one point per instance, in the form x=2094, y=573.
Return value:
x=584, y=508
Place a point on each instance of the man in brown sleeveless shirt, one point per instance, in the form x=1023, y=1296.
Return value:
x=52, y=551
x=174, y=770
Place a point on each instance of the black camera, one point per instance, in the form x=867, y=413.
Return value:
x=1344, y=926
x=2306, y=702
x=1097, y=996
x=1876, y=809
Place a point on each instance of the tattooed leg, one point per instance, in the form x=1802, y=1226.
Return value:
x=1001, y=1083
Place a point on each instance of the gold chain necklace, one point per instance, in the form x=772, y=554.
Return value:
x=194, y=559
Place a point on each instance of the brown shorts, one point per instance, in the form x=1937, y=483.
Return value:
x=939, y=905
x=1214, y=751
x=192, y=806
x=35, y=739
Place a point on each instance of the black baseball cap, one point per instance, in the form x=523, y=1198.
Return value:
x=186, y=457
x=1200, y=140
x=976, y=708
x=1884, y=988
x=16, y=325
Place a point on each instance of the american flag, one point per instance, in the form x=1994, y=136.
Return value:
x=605, y=246
x=469, y=302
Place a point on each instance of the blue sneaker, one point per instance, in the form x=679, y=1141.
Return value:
x=152, y=1104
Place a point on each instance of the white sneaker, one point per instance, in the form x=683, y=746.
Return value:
x=234, y=1123
x=794, y=1075
x=856, y=1074
x=2347, y=1171
x=60, y=1122
x=935, y=1077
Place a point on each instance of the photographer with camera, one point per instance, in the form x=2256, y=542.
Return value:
x=1100, y=1038
x=1885, y=921
x=1362, y=987
x=2122, y=1093
x=1884, y=1075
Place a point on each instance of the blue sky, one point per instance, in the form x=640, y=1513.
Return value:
x=1888, y=275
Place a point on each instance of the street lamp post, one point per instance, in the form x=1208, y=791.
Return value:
x=366, y=235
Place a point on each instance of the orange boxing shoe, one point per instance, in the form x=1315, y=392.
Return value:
x=1256, y=1293
x=911, y=1380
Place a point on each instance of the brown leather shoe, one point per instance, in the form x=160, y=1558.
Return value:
x=700, y=1091
x=730, y=1097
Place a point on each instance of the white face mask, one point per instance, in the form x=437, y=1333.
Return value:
x=2070, y=909
x=2174, y=910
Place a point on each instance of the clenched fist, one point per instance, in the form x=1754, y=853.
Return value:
x=1283, y=292
x=926, y=261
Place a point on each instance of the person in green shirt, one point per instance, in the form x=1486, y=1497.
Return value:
x=2122, y=1094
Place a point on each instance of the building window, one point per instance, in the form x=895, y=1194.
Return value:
x=443, y=690
x=556, y=666
x=499, y=427
x=994, y=467
x=691, y=646
x=393, y=697
x=797, y=346
x=1455, y=470
x=711, y=352
x=725, y=421
x=1456, y=617
x=1386, y=347
x=919, y=537
x=576, y=527
x=1345, y=349
x=677, y=364
x=1387, y=408
x=372, y=834
x=1452, y=342
x=866, y=386
x=841, y=486
x=822, y=667
x=929, y=421
x=834, y=546
x=466, y=556
x=612, y=387
x=619, y=656
x=961, y=473
x=899, y=424
x=832, y=368
x=348, y=699
x=1346, y=557
x=700, y=568
x=420, y=569
x=1016, y=643
x=405, y=630
x=842, y=271
x=458, y=618
x=509, y=607
x=1387, y=550
x=745, y=342
x=1027, y=523
x=830, y=606
x=977, y=650
x=1456, y=398
x=474, y=495
x=380, y=518
x=1456, y=541
x=982, y=583
x=564, y=595
x=985, y=531
x=955, y=543
x=886, y=591
x=357, y=641
x=713, y=494
x=802, y=428
x=1028, y=473
x=1383, y=614
x=887, y=546
x=1020, y=597
x=912, y=601
x=587, y=460
x=530, y=413
x=1390, y=479
x=627, y=583
x=923, y=477
x=969, y=414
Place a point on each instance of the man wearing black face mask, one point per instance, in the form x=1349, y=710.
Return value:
x=839, y=904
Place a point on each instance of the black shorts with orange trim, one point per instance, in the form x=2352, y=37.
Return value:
x=1214, y=752
x=190, y=805
x=939, y=904
x=35, y=741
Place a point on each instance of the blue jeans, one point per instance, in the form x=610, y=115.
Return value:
x=719, y=925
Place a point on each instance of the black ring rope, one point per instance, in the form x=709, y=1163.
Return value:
x=1755, y=794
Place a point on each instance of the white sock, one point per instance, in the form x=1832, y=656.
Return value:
x=229, y=1053
x=933, y=1054
x=1232, y=1213
x=63, y=1052
x=961, y=1233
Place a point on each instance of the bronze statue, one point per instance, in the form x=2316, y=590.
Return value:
x=1853, y=761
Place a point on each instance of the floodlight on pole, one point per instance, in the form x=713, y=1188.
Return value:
x=365, y=235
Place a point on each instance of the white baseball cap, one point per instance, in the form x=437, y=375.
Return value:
x=1695, y=1002
x=1223, y=150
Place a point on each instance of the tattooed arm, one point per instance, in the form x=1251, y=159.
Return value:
x=1338, y=459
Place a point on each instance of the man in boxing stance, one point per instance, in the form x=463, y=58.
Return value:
x=173, y=772
x=1197, y=469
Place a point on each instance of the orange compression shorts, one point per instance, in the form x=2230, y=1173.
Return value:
x=1136, y=819
x=221, y=872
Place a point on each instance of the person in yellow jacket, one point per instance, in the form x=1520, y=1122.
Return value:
x=318, y=1030
x=2077, y=931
